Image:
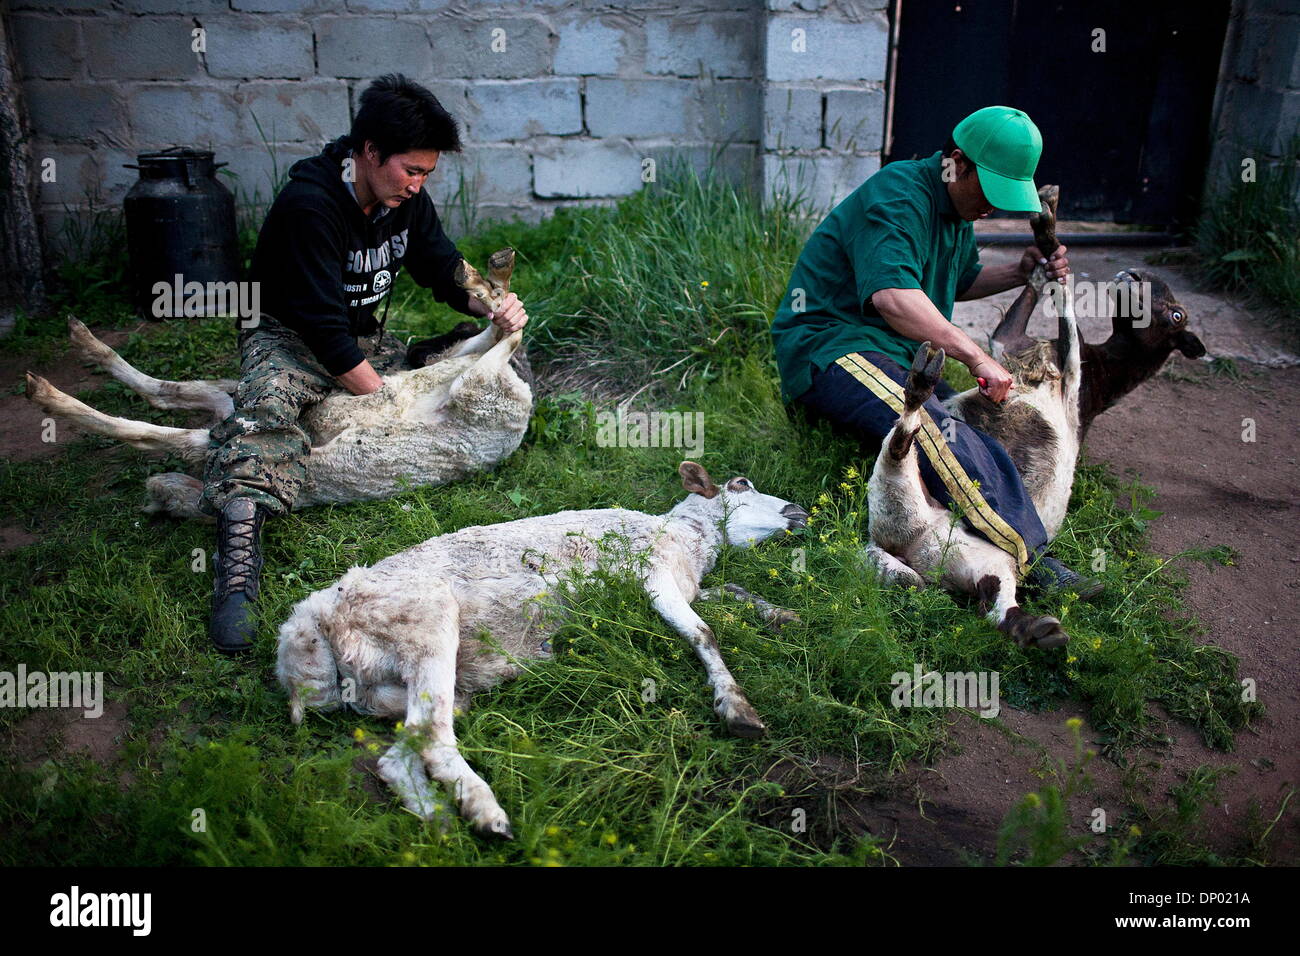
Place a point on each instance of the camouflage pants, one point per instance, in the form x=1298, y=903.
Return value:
x=259, y=451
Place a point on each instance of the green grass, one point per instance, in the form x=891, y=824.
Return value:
x=590, y=770
x=1248, y=237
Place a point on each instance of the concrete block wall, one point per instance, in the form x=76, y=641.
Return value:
x=561, y=101
x=825, y=63
x=1257, y=103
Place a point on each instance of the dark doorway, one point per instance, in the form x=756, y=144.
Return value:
x=1126, y=132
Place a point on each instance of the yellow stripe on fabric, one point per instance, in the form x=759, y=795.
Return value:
x=949, y=469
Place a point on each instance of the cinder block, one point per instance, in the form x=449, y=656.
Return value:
x=502, y=48
x=1279, y=59
x=386, y=6
x=530, y=213
x=728, y=110
x=49, y=5
x=855, y=120
x=792, y=118
x=1287, y=124
x=483, y=174
x=253, y=173
x=174, y=6
x=824, y=181
x=736, y=163
x=638, y=108
x=1255, y=114
x=579, y=169
x=292, y=112
x=281, y=6
x=589, y=47
x=369, y=47
x=115, y=179
x=721, y=45
x=507, y=110
x=180, y=115
x=74, y=112
x=243, y=48
x=76, y=174
x=141, y=48
x=47, y=48
x=826, y=49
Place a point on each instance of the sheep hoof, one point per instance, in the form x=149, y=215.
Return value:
x=781, y=617
x=1041, y=632
x=742, y=720
x=927, y=369
x=40, y=391
x=495, y=827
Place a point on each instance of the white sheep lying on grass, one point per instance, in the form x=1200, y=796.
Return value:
x=402, y=638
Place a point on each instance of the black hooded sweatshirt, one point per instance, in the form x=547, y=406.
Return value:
x=324, y=266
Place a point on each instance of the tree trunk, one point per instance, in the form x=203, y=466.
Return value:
x=22, y=283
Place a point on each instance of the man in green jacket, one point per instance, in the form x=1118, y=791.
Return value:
x=880, y=275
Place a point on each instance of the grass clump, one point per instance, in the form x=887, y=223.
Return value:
x=1248, y=236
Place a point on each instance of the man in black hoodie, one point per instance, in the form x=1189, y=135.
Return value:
x=332, y=244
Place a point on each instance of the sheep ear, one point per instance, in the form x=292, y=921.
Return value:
x=696, y=480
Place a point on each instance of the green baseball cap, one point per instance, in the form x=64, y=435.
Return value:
x=1005, y=146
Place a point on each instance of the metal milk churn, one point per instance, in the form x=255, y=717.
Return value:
x=180, y=221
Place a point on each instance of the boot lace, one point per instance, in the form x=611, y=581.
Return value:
x=240, y=562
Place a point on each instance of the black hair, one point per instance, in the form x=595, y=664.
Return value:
x=950, y=146
x=399, y=115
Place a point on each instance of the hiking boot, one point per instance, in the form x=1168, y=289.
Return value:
x=238, y=567
x=1048, y=575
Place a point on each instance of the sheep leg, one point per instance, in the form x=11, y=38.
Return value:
x=189, y=443
x=1011, y=335
x=489, y=368
x=898, y=506
x=210, y=396
x=728, y=700
x=403, y=769
x=1069, y=354
x=175, y=495
x=474, y=345
x=431, y=696
x=893, y=571
x=991, y=575
x=777, y=617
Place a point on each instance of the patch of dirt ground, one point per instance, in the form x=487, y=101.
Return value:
x=20, y=440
